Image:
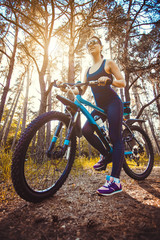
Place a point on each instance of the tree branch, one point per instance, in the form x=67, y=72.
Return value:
x=134, y=81
x=52, y=20
x=2, y=85
x=49, y=88
x=11, y=21
x=39, y=26
x=146, y=105
x=136, y=15
x=34, y=60
x=5, y=53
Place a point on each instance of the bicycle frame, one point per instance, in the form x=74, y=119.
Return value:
x=79, y=103
x=78, y=106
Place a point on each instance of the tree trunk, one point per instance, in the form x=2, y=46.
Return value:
x=5, y=136
x=48, y=137
x=43, y=103
x=156, y=90
x=7, y=118
x=71, y=68
x=16, y=132
x=153, y=133
x=125, y=57
x=25, y=102
x=149, y=117
x=11, y=65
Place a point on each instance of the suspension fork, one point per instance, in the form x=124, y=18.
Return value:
x=70, y=128
x=54, y=139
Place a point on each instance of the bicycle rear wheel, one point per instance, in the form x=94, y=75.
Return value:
x=36, y=176
x=139, y=157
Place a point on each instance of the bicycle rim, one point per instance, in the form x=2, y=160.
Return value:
x=42, y=173
x=138, y=164
x=35, y=175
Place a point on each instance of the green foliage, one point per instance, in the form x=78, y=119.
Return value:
x=5, y=164
x=157, y=160
x=86, y=150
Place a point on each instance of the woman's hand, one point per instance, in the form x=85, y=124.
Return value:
x=69, y=90
x=61, y=86
x=102, y=81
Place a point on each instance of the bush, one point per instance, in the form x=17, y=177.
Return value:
x=5, y=164
x=156, y=160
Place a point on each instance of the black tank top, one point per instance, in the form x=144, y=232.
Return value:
x=102, y=94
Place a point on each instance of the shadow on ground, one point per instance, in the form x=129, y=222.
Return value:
x=76, y=212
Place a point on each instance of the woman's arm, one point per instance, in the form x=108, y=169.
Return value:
x=119, y=80
x=84, y=88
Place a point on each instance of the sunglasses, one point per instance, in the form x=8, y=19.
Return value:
x=92, y=42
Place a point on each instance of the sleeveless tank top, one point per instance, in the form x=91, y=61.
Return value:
x=102, y=94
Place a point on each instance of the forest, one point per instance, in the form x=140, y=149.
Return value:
x=45, y=40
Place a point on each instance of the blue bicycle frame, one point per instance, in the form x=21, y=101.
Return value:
x=79, y=101
x=78, y=107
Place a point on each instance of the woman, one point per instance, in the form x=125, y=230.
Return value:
x=107, y=99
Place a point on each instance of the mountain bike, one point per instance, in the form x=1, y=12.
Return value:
x=45, y=153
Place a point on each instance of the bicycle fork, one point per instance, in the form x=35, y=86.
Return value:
x=60, y=153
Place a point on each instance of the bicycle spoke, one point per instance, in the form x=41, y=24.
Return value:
x=42, y=172
x=139, y=160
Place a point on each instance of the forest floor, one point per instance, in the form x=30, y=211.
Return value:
x=76, y=212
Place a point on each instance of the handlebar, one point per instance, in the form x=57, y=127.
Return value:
x=79, y=84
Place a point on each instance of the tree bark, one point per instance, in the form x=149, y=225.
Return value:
x=5, y=136
x=8, y=80
x=146, y=105
x=71, y=67
x=25, y=102
x=153, y=133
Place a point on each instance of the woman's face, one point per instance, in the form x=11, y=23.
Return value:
x=94, y=46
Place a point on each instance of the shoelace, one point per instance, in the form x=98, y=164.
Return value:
x=101, y=158
x=108, y=184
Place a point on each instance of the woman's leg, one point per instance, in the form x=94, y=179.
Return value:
x=88, y=133
x=115, y=117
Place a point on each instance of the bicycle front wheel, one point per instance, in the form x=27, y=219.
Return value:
x=36, y=176
x=139, y=157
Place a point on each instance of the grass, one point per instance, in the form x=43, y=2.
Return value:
x=80, y=165
x=157, y=160
x=6, y=188
x=5, y=165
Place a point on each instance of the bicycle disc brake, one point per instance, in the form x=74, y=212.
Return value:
x=58, y=153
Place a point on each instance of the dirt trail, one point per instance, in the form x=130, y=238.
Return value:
x=76, y=212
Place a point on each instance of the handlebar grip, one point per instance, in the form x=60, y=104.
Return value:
x=93, y=82
x=109, y=82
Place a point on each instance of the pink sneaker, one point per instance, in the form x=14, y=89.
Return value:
x=102, y=163
x=111, y=186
